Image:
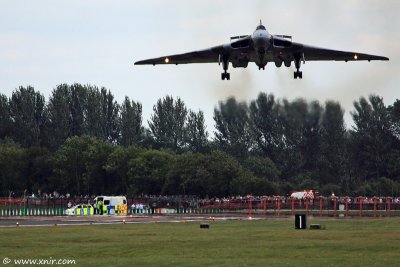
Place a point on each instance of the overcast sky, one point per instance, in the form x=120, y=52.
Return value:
x=46, y=43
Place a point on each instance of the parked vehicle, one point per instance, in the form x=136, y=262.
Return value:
x=80, y=210
x=110, y=205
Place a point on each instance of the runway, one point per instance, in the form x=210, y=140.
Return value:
x=30, y=221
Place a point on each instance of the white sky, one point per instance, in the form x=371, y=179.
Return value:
x=46, y=43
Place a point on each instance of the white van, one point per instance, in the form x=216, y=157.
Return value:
x=107, y=205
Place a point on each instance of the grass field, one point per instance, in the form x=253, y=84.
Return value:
x=345, y=242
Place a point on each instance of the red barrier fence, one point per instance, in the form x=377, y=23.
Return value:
x=343, y=206
x=5, y=201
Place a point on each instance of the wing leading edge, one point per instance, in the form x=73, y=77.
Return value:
x=210, y=55
x=312, y=53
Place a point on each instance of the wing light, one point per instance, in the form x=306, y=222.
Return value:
x=166, y=60
x=355, y=57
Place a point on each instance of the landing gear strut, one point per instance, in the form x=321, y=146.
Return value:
x=298, y=73
x=225, y=74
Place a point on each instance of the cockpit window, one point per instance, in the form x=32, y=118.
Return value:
x=260, y=27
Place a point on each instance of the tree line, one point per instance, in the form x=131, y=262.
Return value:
x=82, y=141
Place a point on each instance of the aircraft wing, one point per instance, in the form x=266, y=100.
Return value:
x=208, y=55
x=312, y=53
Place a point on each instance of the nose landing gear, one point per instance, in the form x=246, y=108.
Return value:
x=298, y=74
x=225, y=75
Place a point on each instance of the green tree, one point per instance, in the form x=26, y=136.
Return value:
x=109, y=116
x=148, y=172
x=372, y=137
x=196, y=134
x=202, y=174
x=167, y=124
x=59, y=116
x=132, y=132
x=387, y=187
x=117, y=167
x=262, y=167
x=77, y=109
x=96, y=179
x=246, y=184
x=93, y=113
x=394, y=113
x=37, y=170
x=265, y=124
x=233, y=134
x=189, y=175
x=311, y=143
x=394, y=157
x=260, y=178
x=5, y=117
x=224, y=169
x=12, y=163
x=292, y=118
x=75, y=165
x=27, y=110
x=334, y=167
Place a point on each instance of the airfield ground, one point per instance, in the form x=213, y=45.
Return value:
x=178, y=241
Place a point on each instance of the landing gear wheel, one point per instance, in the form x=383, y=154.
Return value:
x=225, y=75
x=298, y=74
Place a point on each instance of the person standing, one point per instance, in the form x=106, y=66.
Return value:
x=100, y=207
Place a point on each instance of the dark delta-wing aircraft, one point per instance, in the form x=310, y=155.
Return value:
x=261, y=47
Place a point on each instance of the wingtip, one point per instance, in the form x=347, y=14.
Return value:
x=379, y=58
x=382, y=58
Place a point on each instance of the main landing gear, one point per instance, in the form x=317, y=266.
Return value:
x=298, y=73
x=225, y=74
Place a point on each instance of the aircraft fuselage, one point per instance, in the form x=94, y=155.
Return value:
x=262, y=42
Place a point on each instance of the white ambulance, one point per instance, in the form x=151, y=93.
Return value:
x=110, y=205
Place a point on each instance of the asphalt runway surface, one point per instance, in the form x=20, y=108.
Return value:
x=98, y=219
x=30, y=221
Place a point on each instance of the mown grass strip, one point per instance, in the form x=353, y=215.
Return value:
x=345, y=242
